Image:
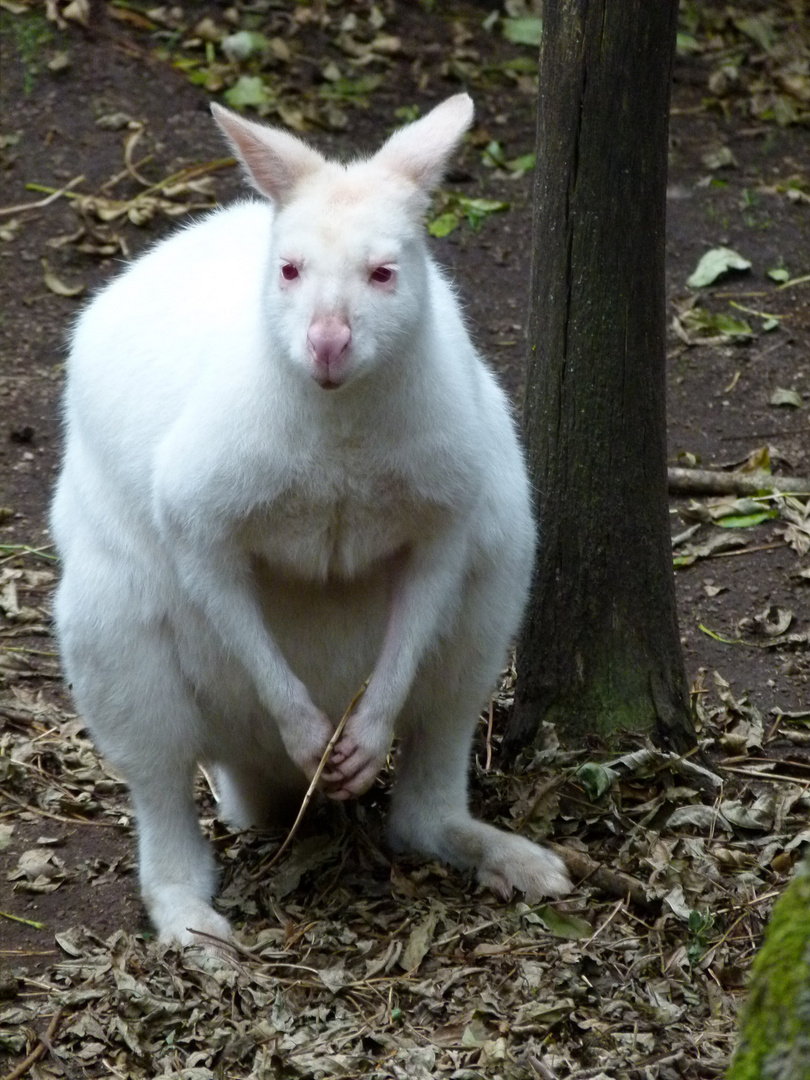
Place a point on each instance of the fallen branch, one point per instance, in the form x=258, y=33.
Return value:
x=614, y=882
x=714, y=482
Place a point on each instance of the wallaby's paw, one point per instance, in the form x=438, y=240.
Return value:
x=306, y=739
x=188, y=920
x=357, y=759
x=520, y=864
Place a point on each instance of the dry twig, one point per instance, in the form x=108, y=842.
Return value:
x=330, y=746
x=40, y=203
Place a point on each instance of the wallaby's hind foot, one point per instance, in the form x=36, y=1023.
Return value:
x=503, y=861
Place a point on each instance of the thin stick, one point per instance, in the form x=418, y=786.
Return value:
x=330, y=746
x=18, y=551
x=489, y=735
x=794, y=281
x=38, y=1051
x=191, y=172
x=746, y=550
x=617, y=907
x=110, y=184
x=38, y=205
x=776, y=778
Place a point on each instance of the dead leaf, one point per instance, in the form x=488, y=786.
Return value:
x=419, y=942
x=56, y=285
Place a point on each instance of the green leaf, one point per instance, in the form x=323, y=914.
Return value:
x=759, y=28
x=687, y=43
x=478, y=210
x=746, y=521
x=726, y=324
x=714, y=264
x=407, y=113
x=595, y=779
x=562, y=924
x=244, y=44
x=779, y=273
x=351, y=89
x=493, y=155
x=527, y=30
x=444, y=224
x=716, y=323
x=458, y=208
x=781, y=396
x=738, y=507
x=522, y=65
x=522, y=164
x=249, y=91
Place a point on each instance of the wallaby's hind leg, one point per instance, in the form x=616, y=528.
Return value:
x=177, y=872
x=430, y=812
x=253, y=795
x=127, y=683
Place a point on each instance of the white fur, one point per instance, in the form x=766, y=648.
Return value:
x=241, y=547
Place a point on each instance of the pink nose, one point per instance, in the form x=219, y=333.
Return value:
x=328, y=339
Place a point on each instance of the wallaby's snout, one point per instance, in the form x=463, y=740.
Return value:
x=328, y=339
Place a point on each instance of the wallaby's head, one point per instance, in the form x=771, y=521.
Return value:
x=348, y=284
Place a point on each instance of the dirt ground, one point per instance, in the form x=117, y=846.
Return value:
x=115, y=100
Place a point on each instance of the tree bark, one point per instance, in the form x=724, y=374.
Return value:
x=601, y=648
x=774, y=1037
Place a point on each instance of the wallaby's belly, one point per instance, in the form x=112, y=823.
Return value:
x=330, y=633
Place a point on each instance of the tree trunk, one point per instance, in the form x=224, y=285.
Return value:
x=775, y=1024
x=601, y=649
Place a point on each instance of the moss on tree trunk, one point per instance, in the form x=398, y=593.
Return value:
x=775, y=1025
x=601, y=648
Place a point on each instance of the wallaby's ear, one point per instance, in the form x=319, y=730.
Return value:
x=276, y=161
x=420, y=151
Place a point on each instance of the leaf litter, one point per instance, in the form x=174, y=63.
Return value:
x=787, y=514
x=756, y=64
x=349, y=963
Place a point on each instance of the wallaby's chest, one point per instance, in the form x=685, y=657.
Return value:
x=339, y=527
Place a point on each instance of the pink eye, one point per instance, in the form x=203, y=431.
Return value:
x=289, y=271
x=382, y=275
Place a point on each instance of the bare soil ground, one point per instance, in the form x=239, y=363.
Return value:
x=354, y=964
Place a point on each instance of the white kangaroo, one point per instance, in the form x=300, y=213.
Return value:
x=288, y=468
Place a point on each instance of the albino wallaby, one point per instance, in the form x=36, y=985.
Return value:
x=288, y=468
